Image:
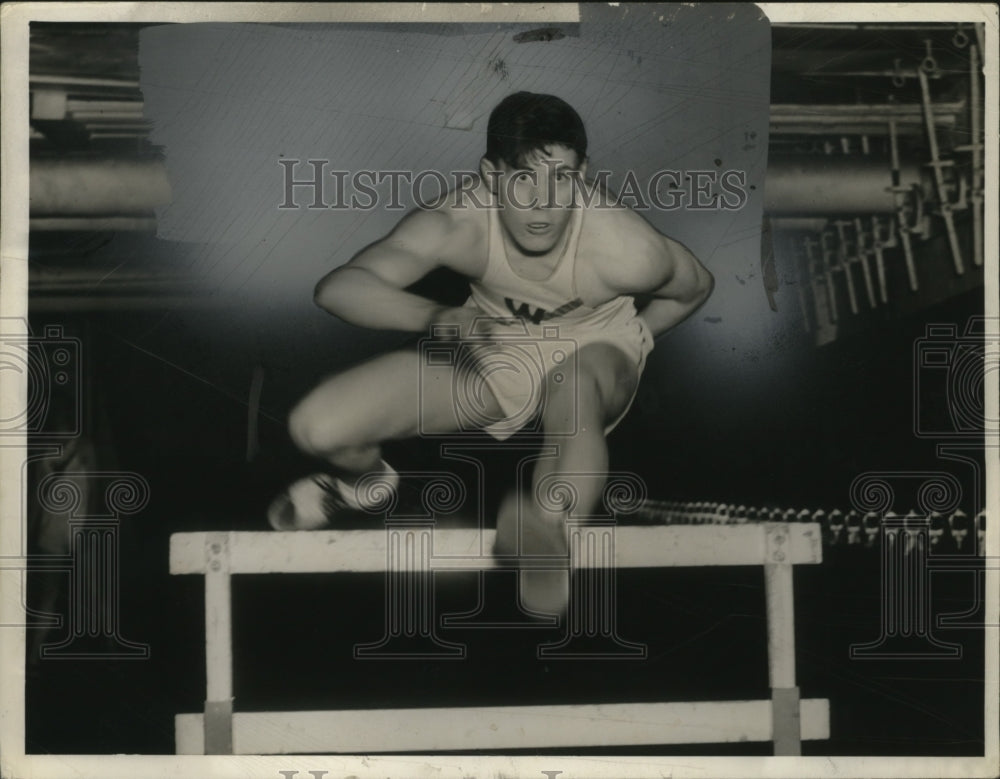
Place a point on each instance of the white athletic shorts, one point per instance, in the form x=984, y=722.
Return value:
x=519, y=357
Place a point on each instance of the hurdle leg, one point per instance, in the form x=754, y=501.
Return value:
x=218, y=721
x=785, y=708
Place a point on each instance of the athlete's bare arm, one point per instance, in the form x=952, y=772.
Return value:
x=686, y=285
x=650, y=263
x=370, y=289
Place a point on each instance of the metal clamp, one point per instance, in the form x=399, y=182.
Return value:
x=929, y=65
x=776, y=542
x=217, y=553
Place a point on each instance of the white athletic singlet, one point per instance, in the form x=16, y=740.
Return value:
x=548, y=323
x=553, y=300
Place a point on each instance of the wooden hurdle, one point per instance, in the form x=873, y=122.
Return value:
x=784, y=719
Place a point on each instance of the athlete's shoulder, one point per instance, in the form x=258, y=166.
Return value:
x=465, y=203
x=462, y=213
x=623, y=243
x=450, y=231
x=615, y=223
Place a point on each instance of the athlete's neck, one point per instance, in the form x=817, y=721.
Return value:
x=520, y=258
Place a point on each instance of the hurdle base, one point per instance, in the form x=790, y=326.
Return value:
x=503, y=727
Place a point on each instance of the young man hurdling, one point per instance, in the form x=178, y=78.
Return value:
x=542, y=259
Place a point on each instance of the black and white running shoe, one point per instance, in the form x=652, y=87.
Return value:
x=311, y=503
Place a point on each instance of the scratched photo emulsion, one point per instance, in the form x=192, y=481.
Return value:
x=611, y=385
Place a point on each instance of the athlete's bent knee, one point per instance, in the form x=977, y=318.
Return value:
x=310, y=432
x=298, y=429
x=611, y=376
x=583, y=387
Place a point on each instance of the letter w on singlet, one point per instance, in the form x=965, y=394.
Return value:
x=523, y=310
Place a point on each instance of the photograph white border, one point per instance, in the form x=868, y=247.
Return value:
x=13, y=392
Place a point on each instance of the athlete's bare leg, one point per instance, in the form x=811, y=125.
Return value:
x=348, y=416
x=605, y=381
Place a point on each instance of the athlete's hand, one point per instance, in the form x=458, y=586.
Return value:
x=463, y=323
x=451, y=322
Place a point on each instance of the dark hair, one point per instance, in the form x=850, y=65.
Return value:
x=525, y=122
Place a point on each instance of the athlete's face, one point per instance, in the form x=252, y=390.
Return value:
x=536, y=200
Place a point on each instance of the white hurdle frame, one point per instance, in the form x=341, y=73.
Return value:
x=784, y=719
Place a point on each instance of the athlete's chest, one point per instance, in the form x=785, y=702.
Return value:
x=576, y=277
x=578, y=267
x=530, y=269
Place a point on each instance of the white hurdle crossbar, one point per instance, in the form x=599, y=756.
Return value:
x=784, y=719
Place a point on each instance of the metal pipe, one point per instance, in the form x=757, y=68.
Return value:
x=862, y=254
x=899, y=73
x=800, y=284
x=159, y=301
x=861, y=26
x=109, y=223
x=104, y=128
x=118, y=276
x=844, y=265
x=879, y=259
x=109, y=116
x=97, y=186
x=936, y=164
x=831, y=186
x=84, y=81
x=101, y=127
x=864, y=110
x=132, y=106
x=977, y=159
x=811, y=272
x=857, y=119
x=856, y=126
x=904, y=231
x=831, y=291
x=911, y=269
